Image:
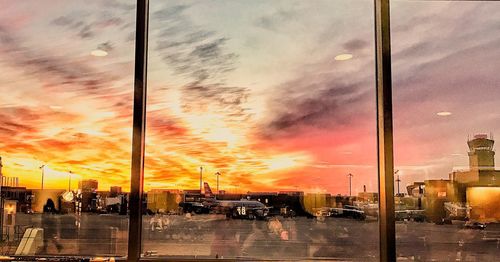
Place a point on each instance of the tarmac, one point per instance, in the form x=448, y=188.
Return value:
x=299, y=238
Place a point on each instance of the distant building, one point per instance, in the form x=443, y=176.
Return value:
x=314, y=201
x=10, y=181
x=416, y=190
x=163, y=200
x=265, y=198
x=471, y=194
x=191, y=195
x=479, y=187
x=5, y=180
x=87, y=201
x=87, y=197
x=20, y=194
x=115, y=191
x=88, y=185
x=292, y=193
x=436, y=194
x=483, y=203
x=10, y=190
x=481, y=164
x=340, y=201
x=368, y=197
x=262, y=193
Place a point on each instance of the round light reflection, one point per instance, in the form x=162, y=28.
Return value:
x=443, y=113
x=343, y=57
x=99, y=52
x=68, y=196
x=55, y=107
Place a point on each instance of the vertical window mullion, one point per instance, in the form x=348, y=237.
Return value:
x=385, y=131
x=138, y=133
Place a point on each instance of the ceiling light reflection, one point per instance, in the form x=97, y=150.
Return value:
x=99, y=52
x=343, y=57
x=55, y=107
x=443, y=113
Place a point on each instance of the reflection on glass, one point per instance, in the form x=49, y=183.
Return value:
x=65, y=117
x=261, y=130
x=445, y=60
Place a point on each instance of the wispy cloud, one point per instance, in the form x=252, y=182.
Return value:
x=192, y=51
x=246, y=89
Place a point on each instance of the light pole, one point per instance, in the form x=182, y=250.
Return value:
x=397, y=179
x=201, y=179
x=69, y=183
x=350, y=184
x=42, y=167
x=1, y=200
x=217, y=174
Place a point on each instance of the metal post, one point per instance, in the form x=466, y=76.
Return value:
x=69, y=183
x=350, y=184
x=217, y=174
x=139, y=129
x=43, y=174
x=399, y=181
x=384, y=131
x=201, y=179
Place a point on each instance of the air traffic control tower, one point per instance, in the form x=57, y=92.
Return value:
x=481, y=163
x=481, y=154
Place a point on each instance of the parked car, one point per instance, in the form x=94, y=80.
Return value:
x=474, y=225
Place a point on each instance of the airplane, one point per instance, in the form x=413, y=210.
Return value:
x=248, y=209
x=243, y=209
x=348, y=212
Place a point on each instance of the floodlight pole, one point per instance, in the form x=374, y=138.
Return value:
x=350, y=184
x=43, y=174
x=398, y=180
x=69, y=183
x=217, y=174
x=201, y=179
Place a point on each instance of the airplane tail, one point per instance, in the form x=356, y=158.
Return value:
x=208, y=191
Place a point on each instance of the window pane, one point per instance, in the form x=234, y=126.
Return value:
x=446, y=57
x=272, y=105
x=66, y=74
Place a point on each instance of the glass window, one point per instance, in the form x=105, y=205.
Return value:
x=66, y=72
x=445, y=77
x=261, y=130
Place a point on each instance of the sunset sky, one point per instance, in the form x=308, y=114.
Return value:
x=250, y=89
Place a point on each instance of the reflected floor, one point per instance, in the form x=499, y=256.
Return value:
x=210, y=236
